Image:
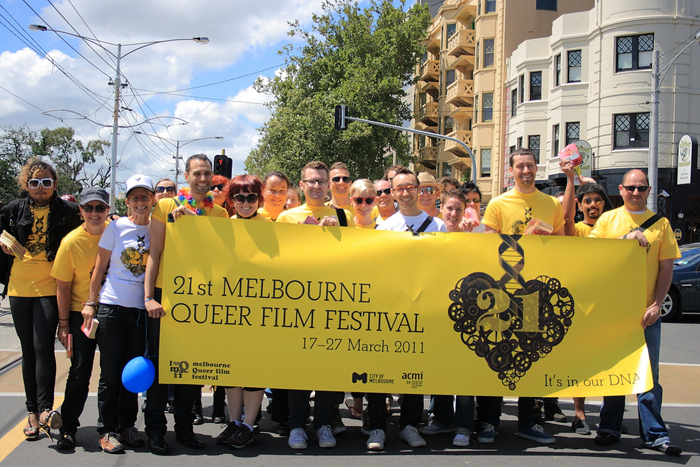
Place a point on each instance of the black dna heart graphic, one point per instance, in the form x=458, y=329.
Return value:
x=510, y=327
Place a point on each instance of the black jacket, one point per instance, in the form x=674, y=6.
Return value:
x=17, y=219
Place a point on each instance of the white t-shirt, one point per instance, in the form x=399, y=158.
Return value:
x=129, y=244
x=400, y=223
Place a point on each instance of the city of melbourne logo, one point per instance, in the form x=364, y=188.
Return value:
x=511, y=323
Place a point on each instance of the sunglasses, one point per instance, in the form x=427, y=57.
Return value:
x=169, y=189
x=338, y=179
x=386, y=191
x=629, y=188
x=142, y=198
x=428, y=189
x=475, y=201
x=35, y=182
x=99, y=209
x=593, y=200
x=218, y=186
x=367, y=201
x=250, y=197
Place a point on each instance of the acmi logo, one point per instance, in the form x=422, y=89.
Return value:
x=412, y=376
x=359, y=377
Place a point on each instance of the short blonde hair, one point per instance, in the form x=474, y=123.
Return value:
x=361, y=185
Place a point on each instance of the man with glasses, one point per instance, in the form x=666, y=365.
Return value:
x=653, y=232
x=385, y=207
x=410, y=218
x=340, y=187
x=314, y=184
x=195, y=200
x=510, y=214
x=428, y=194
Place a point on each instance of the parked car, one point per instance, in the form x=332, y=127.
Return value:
x=684, y=294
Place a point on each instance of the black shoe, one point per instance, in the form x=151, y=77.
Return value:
x=66, y=442
x=668, y=449
x=198, y=419
x=605, y=439
x=157, y=445
x=189, y=440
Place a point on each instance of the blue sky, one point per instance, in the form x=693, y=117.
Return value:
x=244, y=40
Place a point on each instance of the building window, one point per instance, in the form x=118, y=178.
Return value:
x=486, y=162
x=520, y=142
x=478, y=7
x=535, y=85
x=573, y=132
x=451, y=30
x=490, y=6
x=555, y=141
x=512, y=150
x=488, y=52
x=634, y=52
x=522, y=88
x=546, y=5
x=632, y=131
x=476, y=109
x=448, y=125
x=557, y=70
x=446, y=170
x=487, y=110
x=449, y=78
x=574, y=69
x=514, y=103
x=533, y=144
x=477, y=55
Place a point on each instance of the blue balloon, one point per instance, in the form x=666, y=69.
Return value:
x=138, y=375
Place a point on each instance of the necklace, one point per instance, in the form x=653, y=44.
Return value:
x=185, y=199
x=251, y=217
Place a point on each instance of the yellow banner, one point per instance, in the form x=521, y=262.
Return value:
x=261, y=304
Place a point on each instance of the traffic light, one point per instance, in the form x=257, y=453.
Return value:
x=341, y=111
x=222, y=165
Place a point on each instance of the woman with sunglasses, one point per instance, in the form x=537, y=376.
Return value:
x=471, y=222
x=218, y=193
x=363, y=196
x=38, y=223
x=165, y=188
x=121, y=335
x=246, y=192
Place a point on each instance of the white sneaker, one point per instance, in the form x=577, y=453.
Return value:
x=297, y=438
x=376, y=440
x=411, y=436
x=460, y=440
x=325, y=437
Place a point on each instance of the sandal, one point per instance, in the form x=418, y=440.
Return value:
x=353, y=411
x=31, y=432
x=53, y=420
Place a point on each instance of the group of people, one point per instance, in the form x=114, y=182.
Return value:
x=80, y=270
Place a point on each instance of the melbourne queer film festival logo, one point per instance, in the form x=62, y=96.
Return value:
x=510, y=322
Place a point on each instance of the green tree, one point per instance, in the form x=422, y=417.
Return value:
x=16, y=146
x=363, y=58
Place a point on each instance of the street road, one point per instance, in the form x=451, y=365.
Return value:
x=680, y=376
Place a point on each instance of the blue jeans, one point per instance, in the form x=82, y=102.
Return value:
x=652, y=429
x=461, y=414
x=121, y=337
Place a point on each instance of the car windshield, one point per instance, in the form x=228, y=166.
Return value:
x=688, y=257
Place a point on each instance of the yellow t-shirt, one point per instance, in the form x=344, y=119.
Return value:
x=510, y=212
x=582, y=229
x=31, y=276
x=266, y=214
x=662, y=243
x=75, y=261
x=349, y=207
x=299, y=214
x=373, y=225
x=164, y=207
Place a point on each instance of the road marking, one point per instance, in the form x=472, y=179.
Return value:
x=15, y=436
x=681, y=364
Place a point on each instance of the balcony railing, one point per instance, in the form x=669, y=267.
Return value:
x=462, y=43
x=461, y=92
x=428, y=156
x=463, y=135
x=428, y=113
x=430, y=70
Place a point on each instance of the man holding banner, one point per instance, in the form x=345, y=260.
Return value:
x=197, y=200
x=524, y=210
x=653, y=232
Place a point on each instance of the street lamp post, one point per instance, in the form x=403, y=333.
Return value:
x=117, y=88
x=657, y=77
x=178, y=144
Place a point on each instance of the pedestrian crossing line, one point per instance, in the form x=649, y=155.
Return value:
x=15, y=436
